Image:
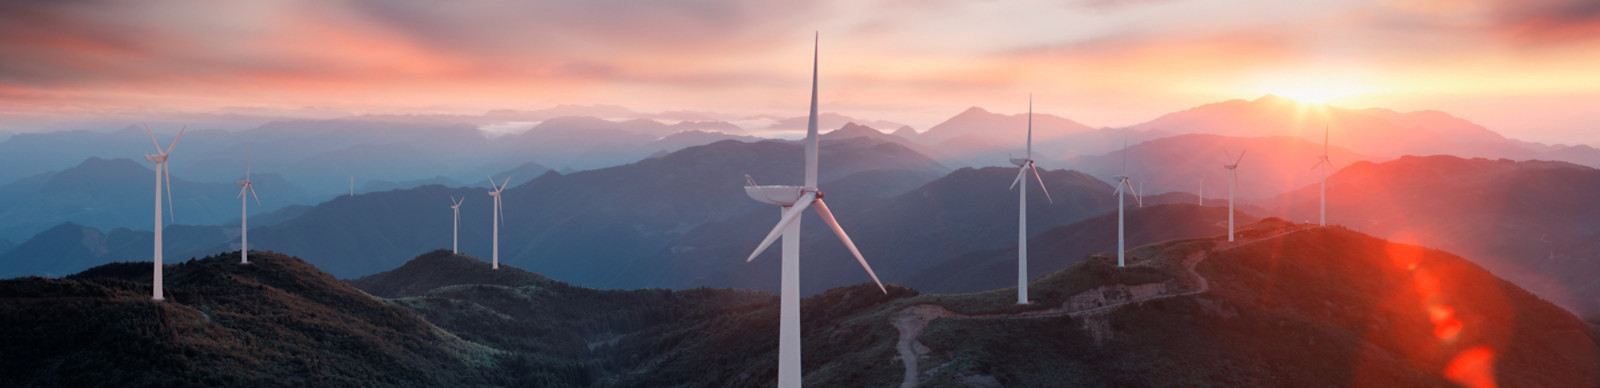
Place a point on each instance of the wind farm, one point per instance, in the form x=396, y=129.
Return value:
x=635, y=156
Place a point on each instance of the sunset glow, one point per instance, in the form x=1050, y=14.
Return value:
x=1104, y=63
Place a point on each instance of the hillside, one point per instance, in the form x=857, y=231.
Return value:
x=277, y=321
x=1287, y=305
x=1530, y=222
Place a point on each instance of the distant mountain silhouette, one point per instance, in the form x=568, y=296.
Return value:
x=606, y=218
x=1533, y=223
x=1059, y=247
x=967, y=210
x=69, y=248
x=977, y=137
x=383, y=185
x=1271, y=165
x=1379, y=133
x=117, y=193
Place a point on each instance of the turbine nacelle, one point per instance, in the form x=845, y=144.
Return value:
x=1020, y=162
x=158, y=158
x=778, y=195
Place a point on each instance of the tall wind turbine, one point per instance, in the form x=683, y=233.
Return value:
x=244, y=214
x=1232, y=164
x=1124, y=185
x=163, y=176
x=1202, y=196
x=1324, y=164
x=795, y=200
x=455, y=230
x=499, y=216
x=1025, y=164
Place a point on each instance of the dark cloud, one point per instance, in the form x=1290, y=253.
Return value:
x=1550, y=21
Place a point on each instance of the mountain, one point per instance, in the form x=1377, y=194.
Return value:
x=824, y=120
x=529, y=169
x=977, y=137
x=278, y=321
x=853, y=130
x=383, y=185
x=6, y=245
x=108, y=194
x=1531, y=222
x=967, y=210
x=574, y=226
x=69, y=248
x=1060, y=247
x=1377, y=132
x=1271, y=165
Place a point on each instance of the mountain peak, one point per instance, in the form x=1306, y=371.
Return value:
x=441, y=268
x=975, y=110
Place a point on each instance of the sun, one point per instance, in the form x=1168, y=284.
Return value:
x=1317, y=94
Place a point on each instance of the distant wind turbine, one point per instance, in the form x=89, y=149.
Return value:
x=795, y=200
x=1124, y=185
x=499, y=216
x=1201, y=198
x=1324, y=164
x=244, y=214
x=1232, y=164
x=455, y=231
x=163, y=176
x=1026, y=164
x=352, y=185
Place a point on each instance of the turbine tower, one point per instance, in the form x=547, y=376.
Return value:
x=1324, y=164
x=1232, y=164
x=794, y=201
x=1124, y=186
x=163, y=176
x=499, y=216
x=244, y=214
x=1025, y=164
x=1202, y=196
x=455, y=230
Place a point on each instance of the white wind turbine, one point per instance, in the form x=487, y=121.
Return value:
x=163, y=174
x=1232, y=164
x=1124, y=186
x=455, y=230
x=1324, y=164
x=1025, y=164
x=498, y=216
x=795, y=200
x=244, y=214
x=1202, y=196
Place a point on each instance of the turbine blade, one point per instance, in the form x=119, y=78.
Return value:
x=176, y=139
x=1227, y=157
x=1241, y=156
x=788, y=218
x=811, y=125
x=1030, y=126
x=1319, y=164
x=827, y=217
x=242, y=189
x=167, y=174
x=491, y=181
x=253, y=193
x=1041, y=183
x=247, y=163
x=153, y=139
x=1020, y=172
x=507, y=182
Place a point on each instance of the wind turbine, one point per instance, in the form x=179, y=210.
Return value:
x=795, y=200
x=1324, y=164
x=499, y=216
x=244, y=214
x=1124, y=185
x=1202, y=196
x=455, y=231
x=1025, y=164
x=352, y=185
x=1232, y=164
x=163, y=174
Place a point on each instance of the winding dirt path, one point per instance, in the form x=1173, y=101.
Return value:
x=910, y=321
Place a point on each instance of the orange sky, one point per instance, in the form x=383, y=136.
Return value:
x=1525, y=69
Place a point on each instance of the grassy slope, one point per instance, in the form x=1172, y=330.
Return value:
x=278, y=321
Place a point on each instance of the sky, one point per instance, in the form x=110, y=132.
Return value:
x=1526, y=69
